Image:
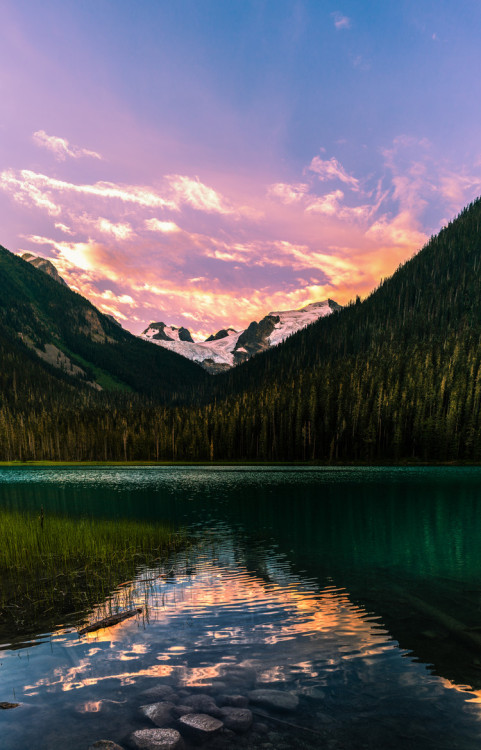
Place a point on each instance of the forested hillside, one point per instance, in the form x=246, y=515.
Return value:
x=61, y=333
x=394, y=377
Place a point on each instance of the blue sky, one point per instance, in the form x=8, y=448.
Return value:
x=202, y=162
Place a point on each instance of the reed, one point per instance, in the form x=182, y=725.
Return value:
x=55, y=569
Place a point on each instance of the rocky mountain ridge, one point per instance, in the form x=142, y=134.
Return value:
x=48, y=327
x=45, y=265
x=220, y=351
x=228, y=347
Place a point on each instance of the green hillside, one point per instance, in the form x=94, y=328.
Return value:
x=71, y=340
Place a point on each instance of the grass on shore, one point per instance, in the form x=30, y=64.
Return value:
x=60, y=567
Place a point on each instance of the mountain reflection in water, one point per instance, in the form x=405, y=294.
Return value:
x=301, y=580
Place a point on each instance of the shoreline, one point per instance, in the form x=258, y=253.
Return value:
x=240, y=463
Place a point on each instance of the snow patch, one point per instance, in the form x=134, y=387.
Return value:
x=222, y=351
x=291, y=321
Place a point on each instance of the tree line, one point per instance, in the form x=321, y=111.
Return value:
x=395, y=377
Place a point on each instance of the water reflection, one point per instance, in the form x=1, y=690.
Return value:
x=221, y=613
x=305, y=582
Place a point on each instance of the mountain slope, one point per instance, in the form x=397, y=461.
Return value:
x=228, y=348
x=433, y=295
x=394, y=378
x=65, y=331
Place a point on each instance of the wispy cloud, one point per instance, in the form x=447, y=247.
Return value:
x=326, y=204
x=457, y=188
x=39, y=188
x=287, y=193
x=201, y=197
x=400, y=230
x=331, y=169
x=61, y=148
x=184, y=252
x=121, y=231
x=43, y=191
x=24, y=189
x=123, y=299
x=165, y=227
x=329, y=204
x=63, y=228
x=341, y=21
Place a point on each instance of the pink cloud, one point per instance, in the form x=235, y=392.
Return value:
x=120, y=231
x=24, y=190
x=63, y=228
x=326, y=204
x=43, y=191
x=458, y=189
x=61, y=147
x=288, y=193
x=402, y=230
x=341, y=21
x=166, y=227
x=331, y=169
x=229, y=257
x=201, y=197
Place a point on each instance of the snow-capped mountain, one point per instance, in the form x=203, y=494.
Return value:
x=228, y=347
x=159, y=332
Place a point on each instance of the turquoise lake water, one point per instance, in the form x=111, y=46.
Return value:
x=358, y=590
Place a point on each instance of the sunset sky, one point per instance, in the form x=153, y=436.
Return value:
x=202, y=162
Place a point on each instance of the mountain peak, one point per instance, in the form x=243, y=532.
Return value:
x=45, y=265
x=222, y=334
x=161, y=332
x=229, y=347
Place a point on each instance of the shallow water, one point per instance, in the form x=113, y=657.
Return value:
x=356, y=589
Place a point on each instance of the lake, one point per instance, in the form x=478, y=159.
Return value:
x=355, y=591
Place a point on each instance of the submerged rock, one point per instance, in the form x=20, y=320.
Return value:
x=159, y=713
x=237, y=719
x=238, y=701
x=161, y=693
x=202, y=704
x=156, y=739
x=105, y=745
x=200, y=726
x=277, y=700
x=181, y=710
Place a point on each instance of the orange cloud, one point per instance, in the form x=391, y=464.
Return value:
x=228, y=257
